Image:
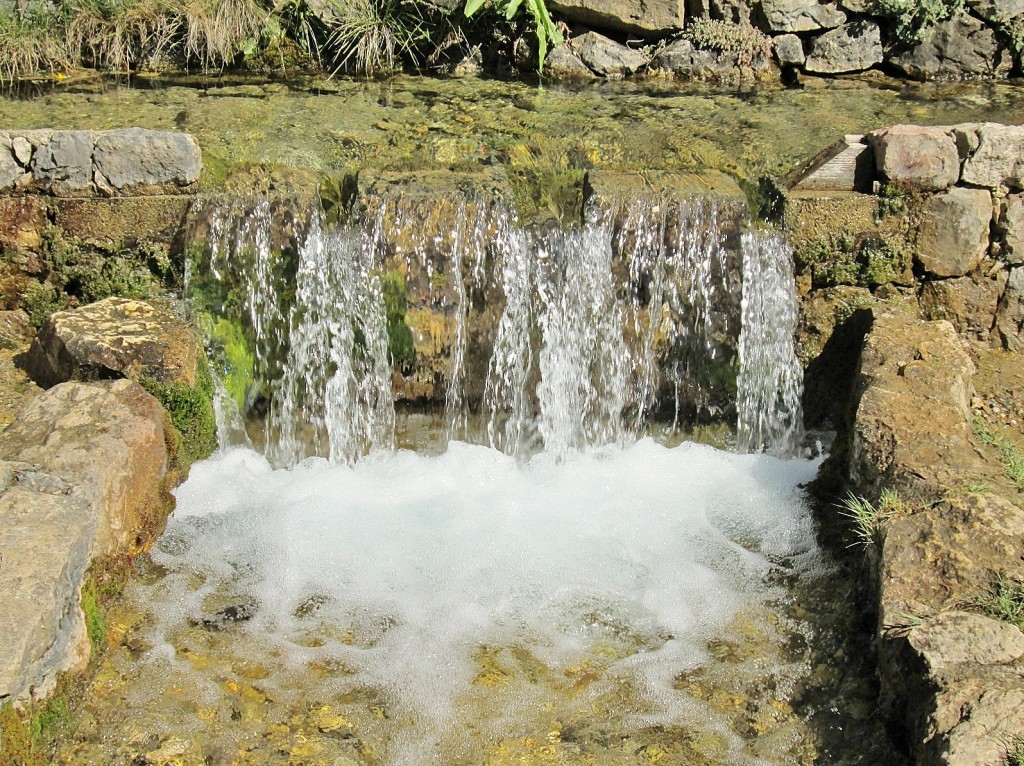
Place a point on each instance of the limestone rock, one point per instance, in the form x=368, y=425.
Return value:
x=970, y=303
x=911, y=428
x=1011, y=221
x=23, y=220
x=47, y=532
x=63, y=165
x=997, y=10
x=10, y=169
x=992, y=154
x=953, y=235
x=689, y=63
x=115, y=337
x=1010, y=315
x=801, y=15
x=651, y=18
x=953, y=638
x=154, y=162
x=607, y=57
x=925, y=157
x=789, y=50
x=849, y=48
x=106, y=440
x=562, y=64
x=959, y=47
x=22, y=149
x=15, y=330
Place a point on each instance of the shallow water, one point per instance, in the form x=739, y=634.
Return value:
x=413, y=122
x=622, y=606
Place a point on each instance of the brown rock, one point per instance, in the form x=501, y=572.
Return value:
x=925, y=157
x=115, y=337
x=22, y=221
x=968, y=302
x=607, y=57
x=954, y=231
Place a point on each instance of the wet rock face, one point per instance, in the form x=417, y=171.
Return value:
x=115, y=337
x=80, y=479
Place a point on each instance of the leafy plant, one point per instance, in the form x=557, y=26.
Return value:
x=745, y=42
x=543, y=26
x=371, y=36
x=914, y=17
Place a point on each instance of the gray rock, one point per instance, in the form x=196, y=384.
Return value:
x=970, y=303
x=959, y=47
x=562, y=64
x=801, y=15
x=63, y=165
x=22, y=150
x=994, y=718
x=992, y=154
x=607, y=57
x=115, y=337
x=953, y=233
x=955, y=638
x=789, y=50
x=10, y=169
x=1011, y=222
x=923, y=157
x=648, y=18
x=1010, y=315
x=90, y=461
x=147, y=161
x=858, y=6
x=688, y=63
x=997, y=11
x=736, y=11
x=849, y=48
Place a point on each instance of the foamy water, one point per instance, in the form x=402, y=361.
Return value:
x=408, y=569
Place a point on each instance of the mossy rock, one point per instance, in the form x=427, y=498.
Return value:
x=191, y=414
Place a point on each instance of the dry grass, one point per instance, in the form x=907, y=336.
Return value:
x=29, y=46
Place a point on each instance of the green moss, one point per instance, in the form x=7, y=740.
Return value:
x=94, y=622
x=546, y=194
x=337, y=191
x=400, y=341
x=191, y=413
x=844, y=260
x=17, y=745
x=235, y=360
x=40, y=300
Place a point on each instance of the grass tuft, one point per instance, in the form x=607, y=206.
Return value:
x=1010, y=455
x=1004, y=601
x=868, y=519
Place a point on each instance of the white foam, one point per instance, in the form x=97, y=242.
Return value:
x=423, y=560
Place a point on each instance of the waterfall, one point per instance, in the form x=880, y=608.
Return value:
x=563, y=338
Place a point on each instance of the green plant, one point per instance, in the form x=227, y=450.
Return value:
x=28, y=43
x=892, y=201
x=191, y=412
x=372, y=36
x=745, y=42
x=867, y=519
x=978, y=487
x=1003, y=601
x=94, y=623
x=914, y=17
x=400, y=341
x=1010, y=455
x=119, y=34
x=1015, y=751
x=543, y=26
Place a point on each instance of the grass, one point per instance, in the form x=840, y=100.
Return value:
x=29, y=45
x=1015, y=751
x=374, y=36
x=868, y=519
x=1004, y=601
x=1010, y=455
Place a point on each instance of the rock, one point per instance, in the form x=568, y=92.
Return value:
x=63, y=165
x=1011, y=222
x=106, y=440
x=15, y=330
x=1010, y=314
x=22, y=222
x=996, y=11
x=924, y=157
x=47, y=533
x=688, y=63
x=801, y=15
x=115, y=337
x=146, y=161
x=789, y=50
x=968, y=302
x=955, y=638
x=953, y=233
x=10, y=170
x=849, y=48
x=858, y=6
x=735, y=11
x=562, y=64
x=648, y=18
x=959, y=47
x=22, y=149
x=992, y=154
x=607, y=57
x=911, y=428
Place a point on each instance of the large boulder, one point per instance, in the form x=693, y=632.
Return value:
x=115, y=337
x=607, y=57
x=953, y=235
x=145, y=161
x=992, y=154
x=921, y=156
x=962, y=46
x=81, y=479
x=849, y=48
x=801, y=15
x=911, y=428
x=970, y=303
x=653, y=18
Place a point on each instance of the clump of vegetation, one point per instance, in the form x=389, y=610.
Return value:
x=1015, y=751
x=400, y=340
x=30, y=44
x=868, y=519
x=913, y=17
x=743, y=41
x=373, y=36
x=892, y=201
x=1011, y=456
x=191, y=412
x=840, y=259
x=547, y=33
x=1004, y=601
